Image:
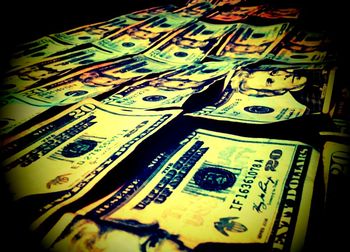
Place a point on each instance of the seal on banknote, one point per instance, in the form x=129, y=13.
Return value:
x=154, y=98
x=78, y=148
x=259, y=109
x=214, y=179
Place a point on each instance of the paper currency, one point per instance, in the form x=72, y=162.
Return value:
x=271, y=12
x=226, y=2
x=170, y=89
x=214, y=2
x=35, y=51
x=132, y=40
x=339, y=112
x=200, y=72
x=97, y=31
x=14, y=112
x=93, y=32
x=191, y=2
x=233, y=190
x=267, y=94
x=233, y=13
x=140, y=15
x=92, y=81
x=302, y=46
x=190, y=44
x=194, y=10
x=246, y=109
x=53, y=68
x=336, y=174
x=299, y=56
x=203, y=31
x=146, y=95
x=141, y=36
x=336, y=167
x=253, y=42
x=68, y=154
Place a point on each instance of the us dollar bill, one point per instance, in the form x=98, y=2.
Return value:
x=15, y=112
x=273, y=12
x=226, y=2
x=146, y=95
x=336, y=168
x=131, y=40
x=92, y=81
x=141, y=36
x=92, y=32
x=336, y=175
x=171, y=89
x=232, y=189
x=248, y=109
x=253, y=42
x=79, y=146
x=152, y=11
x=190, y=44
x=339, y=112
x=200, y=72
x=191, y=2
x=233, y=13
x=303, y=46
x=97, y=31
x=213, y=2
x=128, y=41
x=195, y=10
x=276, y=94
x=35, y=51
x=53, y=67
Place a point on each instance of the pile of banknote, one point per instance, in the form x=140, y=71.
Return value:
x=212, y=125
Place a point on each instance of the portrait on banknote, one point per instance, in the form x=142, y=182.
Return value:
x=269, y=93
x=123, y=235
x=306, y=86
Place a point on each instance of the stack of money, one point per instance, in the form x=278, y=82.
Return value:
x=195, y=9
x=76, y=151
x=233, y=12
x=303, y=46
x=169, y=129
x=100, y=30
x=253, y=42
x=36, y=51
x=73, y=88
x=234, y=192
x=132, y=38
x=281, y=12
x=171, y=89
x=190, y=44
